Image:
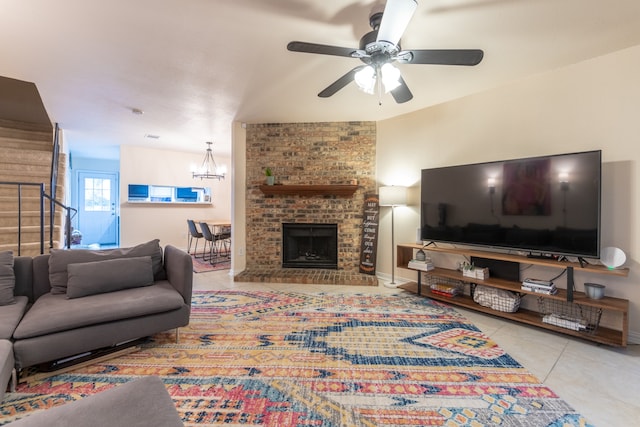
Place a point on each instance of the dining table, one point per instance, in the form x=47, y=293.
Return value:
x=215, y=222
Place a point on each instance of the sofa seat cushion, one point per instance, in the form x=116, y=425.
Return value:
x=10, y=315
x=53, y=313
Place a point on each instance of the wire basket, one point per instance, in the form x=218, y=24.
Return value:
x=444, y=286
x=570, y=315
x=497, y=299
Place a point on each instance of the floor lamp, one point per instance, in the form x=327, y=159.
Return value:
x=392, y=196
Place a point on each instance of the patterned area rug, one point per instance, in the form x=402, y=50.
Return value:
x=200, y=266
x=293, y=359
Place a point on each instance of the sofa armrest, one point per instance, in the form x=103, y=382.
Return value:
x=179, y=267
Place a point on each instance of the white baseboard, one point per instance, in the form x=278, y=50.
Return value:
x=385, y=280
x=634, y=337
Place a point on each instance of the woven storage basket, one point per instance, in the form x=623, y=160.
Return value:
x=497, y=299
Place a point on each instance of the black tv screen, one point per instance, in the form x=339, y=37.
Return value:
x=540, y=205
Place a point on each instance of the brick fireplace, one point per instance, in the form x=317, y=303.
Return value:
x=331, y=154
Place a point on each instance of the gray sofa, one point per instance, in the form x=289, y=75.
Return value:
x=71, y=302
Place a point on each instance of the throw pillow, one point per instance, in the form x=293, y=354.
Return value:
x=99, y=277
x=7, y=278
x=61, y=258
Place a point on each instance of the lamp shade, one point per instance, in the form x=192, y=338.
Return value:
x=392, y=195
x=366, y=79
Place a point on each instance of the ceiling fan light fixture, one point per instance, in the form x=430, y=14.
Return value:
x=390, y=77
x=365, y=78
x=381, y=47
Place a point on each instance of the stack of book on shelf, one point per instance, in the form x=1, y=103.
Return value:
x=446, y=289
x=423, y=265
x=539, y=286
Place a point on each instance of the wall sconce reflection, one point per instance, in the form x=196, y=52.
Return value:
x=563, y=177
x=564, y=180
x=491, y=183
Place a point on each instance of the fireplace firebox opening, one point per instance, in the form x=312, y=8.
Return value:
x=309, y=245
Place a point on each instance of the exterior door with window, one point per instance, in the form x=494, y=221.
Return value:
x=97, y=213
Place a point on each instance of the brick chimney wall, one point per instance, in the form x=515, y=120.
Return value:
x=307, y=153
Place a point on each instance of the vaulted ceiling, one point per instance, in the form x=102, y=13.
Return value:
x=194, y=66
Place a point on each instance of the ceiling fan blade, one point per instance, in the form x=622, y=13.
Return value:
x=322, y=49
x=340, y=83
x=402, y=93
x=446, y=56
x=395, y=18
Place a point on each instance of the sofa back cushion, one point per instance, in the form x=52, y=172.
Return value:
x=61, y=258
x=7, y=278
x=98, y=277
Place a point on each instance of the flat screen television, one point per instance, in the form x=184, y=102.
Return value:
x=548, y=205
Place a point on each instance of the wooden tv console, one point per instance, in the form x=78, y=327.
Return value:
x=567, y=297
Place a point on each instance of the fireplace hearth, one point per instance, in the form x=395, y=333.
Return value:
x=309, y=245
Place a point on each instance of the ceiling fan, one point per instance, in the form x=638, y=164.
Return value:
x=380, y=48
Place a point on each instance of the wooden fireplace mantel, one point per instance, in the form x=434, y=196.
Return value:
x=309, y=190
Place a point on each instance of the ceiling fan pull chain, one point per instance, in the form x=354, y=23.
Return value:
x=379, y=84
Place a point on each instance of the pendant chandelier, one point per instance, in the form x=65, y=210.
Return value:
x=209, y=169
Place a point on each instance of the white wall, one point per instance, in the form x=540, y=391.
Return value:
x=140, y=223
x=239, y=182
x=590, y=105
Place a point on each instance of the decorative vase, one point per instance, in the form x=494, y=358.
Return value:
x=271, y=180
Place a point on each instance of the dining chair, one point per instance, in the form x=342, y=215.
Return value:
x=194, y=234
x=208, y=237
x=223, y=240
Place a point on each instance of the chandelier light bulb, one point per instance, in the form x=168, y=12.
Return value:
x=390, y=77
x=366, y=79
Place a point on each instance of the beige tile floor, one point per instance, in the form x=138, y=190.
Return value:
x=602, y=383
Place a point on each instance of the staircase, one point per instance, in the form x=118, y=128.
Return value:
x=26, y=150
